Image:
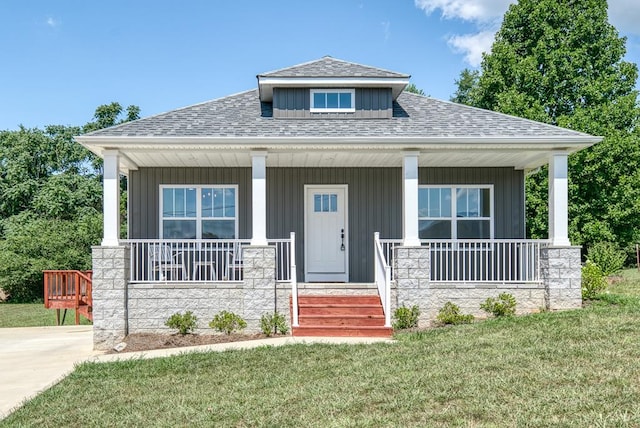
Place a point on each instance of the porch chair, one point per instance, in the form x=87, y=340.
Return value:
x=163, y=259
x=235, y=264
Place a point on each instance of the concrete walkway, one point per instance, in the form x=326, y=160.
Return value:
x=33, y=359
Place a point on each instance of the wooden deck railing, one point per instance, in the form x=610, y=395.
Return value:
x=69, y=289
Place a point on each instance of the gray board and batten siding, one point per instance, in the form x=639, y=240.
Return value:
x=375, y=202
x=370, y=103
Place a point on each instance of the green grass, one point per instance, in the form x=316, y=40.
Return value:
x=573, y=368
x=33, y=315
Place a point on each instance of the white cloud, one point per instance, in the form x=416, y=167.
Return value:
x=486, y=16
x=478, y=11
x=52, y=22
x=472, y=46
x=386, y=28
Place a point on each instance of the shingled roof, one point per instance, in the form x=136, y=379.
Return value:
x=414, y=116
x=332, y=67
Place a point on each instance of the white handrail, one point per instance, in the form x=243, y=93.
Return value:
x=294, y=282
x=382, y=279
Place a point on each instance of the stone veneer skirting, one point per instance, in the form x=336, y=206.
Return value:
x=121, y=308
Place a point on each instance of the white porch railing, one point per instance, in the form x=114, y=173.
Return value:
x=469, y=261
x=199, y=260
x=383, y=279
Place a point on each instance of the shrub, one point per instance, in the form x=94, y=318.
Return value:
x=227, y=322
x=406, y=317
x=503, y=306
x=184, y=323
x=273, y=324
x=609, y=258
x=450, y=314
x=593, y=280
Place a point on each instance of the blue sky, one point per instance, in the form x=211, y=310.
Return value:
x=61, y=59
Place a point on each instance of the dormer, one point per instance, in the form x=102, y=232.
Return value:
x=331, y=88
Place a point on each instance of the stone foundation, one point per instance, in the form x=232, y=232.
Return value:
x=561, y=270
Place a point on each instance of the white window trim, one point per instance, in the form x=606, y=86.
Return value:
x=332, y=110
x=198, y=218
x=454, y=219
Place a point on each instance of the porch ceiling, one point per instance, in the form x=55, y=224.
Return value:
x=523, y=154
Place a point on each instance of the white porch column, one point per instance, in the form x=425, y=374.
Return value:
x=559, y=199
x=410, y=199
x=111, y=199
x=259, y=196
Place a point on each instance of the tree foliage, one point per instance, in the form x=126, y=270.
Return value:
x=411, y=87
x=561, y=62
x=50, y=201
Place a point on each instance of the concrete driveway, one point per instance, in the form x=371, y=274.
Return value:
x=34, y=358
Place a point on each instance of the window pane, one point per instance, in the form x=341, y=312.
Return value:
x=485, y=203
x=167, y=202
x=179, y=229
x=434, y=229
x=325, y=203
x=190, y=202
x=319, y=100
x=461, y=203
x=445, y=202
x=207, y=202
x=218, y=203
x=230, y=202
x=423, y=202
x=474, y=229
x=218, y=229
x=345, y=100
x=332, y=100
x=317, y=203
x=434, y=203
x=334, y=202
x=178, y=206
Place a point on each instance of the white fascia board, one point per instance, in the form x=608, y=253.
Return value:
x=571, y=143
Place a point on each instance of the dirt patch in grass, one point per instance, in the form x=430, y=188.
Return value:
x=150, y=341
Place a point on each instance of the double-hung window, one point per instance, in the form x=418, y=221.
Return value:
x=333, y=100
x=198, y=212
x=455, y=212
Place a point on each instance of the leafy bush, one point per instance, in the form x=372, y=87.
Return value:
x=607, y=256
x=273, y=324
x=406, y=317
x=450, y=314
x=184, y=323
x=503, y=306
x=593, y=280
x=227, y=322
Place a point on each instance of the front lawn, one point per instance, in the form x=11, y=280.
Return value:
x=33, y=315
x=574, y=368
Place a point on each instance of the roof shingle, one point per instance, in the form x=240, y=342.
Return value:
x=332, y=67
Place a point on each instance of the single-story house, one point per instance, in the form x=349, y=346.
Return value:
x=328, y=179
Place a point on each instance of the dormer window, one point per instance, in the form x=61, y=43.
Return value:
x=333, y=100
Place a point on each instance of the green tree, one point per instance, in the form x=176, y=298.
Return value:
x=561, y=62
x=411, y=87
x=50, y=202
x=466, y=84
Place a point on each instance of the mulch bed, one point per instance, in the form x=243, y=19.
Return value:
x=149, y=341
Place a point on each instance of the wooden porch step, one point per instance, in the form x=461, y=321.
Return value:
x=339, y=299
x=340, y=309
x=342, y=331
x=86, y=311
x=342, y=320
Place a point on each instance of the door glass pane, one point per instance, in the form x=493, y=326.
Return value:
x=319, y=100
x=334, y=203
x=179, y=229
x=434, y=229
x=474, y=229
x=317, y=203
x=218, y=229
x=325, y=202
x=230, y=202
x=345, y=100
x=332, y=100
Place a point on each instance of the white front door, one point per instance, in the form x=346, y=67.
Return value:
x=326, y=243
